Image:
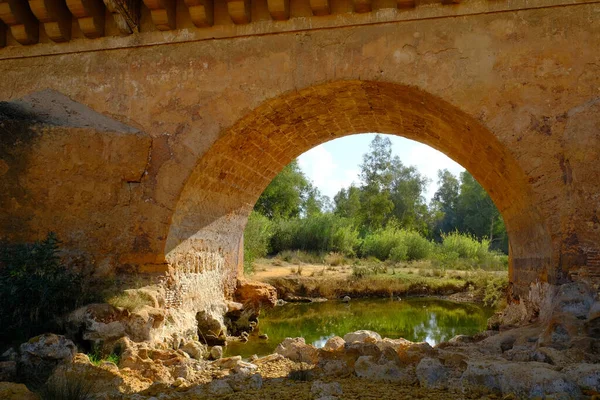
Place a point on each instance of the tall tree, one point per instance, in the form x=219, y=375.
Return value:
x=347, y=203
x=285, y=195
x=376, y=175
x=444, y=202
x=407, y=195
x=477, y=214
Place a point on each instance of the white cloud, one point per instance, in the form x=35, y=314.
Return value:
x=319, y=166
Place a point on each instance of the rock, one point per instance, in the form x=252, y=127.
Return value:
x=10, y=355
x=240, y=382
x=257, y=294
x=211, y=330
x=179, y=382
x=415, y=352
x=362, y=336
x=592, y=325
x=96, y=322
x=587, y=376
x=233, y=306
x=16, y=391
x=41, y=354
x=335, y=368
x=219, y=387
x=216, y=352
x=346, y=299
x=335, y=343
x=296, y=349
x=104, y=379
x=561, y=330
x=575, y=298
x=524, y=380
x=321, y=389
x=8, y=370
x=196, y=350
x=354, y=350
x=102, y=322
x=365, y=367
x=432, y=374
x=227, y=363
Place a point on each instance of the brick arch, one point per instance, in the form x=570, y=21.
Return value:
x=213, y=207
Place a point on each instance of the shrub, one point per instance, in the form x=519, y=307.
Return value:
x=36, y=288
x=257, y=236
x=319, y=234
x=334, y=259
x=78, y=387
x=396, y=244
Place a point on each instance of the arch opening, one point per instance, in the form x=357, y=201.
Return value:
x=219, y=195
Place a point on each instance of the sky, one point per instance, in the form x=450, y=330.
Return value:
x=336, y=164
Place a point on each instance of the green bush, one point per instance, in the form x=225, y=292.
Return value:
x=36, y=289
x=396, y=244
x=257, y=236
x=320, y=234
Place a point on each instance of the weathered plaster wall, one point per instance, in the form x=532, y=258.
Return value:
x=512, y=95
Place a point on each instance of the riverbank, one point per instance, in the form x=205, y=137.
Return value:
x=295, y=280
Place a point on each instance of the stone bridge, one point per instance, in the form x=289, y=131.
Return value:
x=143, y=132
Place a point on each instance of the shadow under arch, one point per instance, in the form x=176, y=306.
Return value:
x=221, y=191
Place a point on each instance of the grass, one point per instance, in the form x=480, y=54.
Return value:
x=78, y=387
x=132, y=300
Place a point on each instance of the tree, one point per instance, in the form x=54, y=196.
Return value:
x=477, y=213
x=285, y=195
x=444, y=202
x=408, y=185
x=347, y=203
x=376, y=175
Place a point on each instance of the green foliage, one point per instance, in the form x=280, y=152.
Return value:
x=321, y=233
x=283, y=197
x=396, y=244
x=257, y=237
x=36, y=288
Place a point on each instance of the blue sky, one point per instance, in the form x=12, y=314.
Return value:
x=336, y=164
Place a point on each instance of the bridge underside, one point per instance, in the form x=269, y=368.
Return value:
x=146, y=152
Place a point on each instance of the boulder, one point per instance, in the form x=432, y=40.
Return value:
x=241, y=382
x=362, y=336
x=574, y=298
x=297, y=350
x=102, y=322
x=211, y=329
x=8, y=370
x=592, y=324
x=524, y=380
x=321, y=389
x=587, y=376
x=560, y=332
x=195, y=349
x=366, y=367
x=41, y=354
x=432, y=374
x=335, y=368
x=216, y=352
x=104, y=381
x=334, y=344
x=257, y=294
x=228, y=362
x=16, y=391
x=219, y=387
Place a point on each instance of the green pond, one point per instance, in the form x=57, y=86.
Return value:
x=416, y=319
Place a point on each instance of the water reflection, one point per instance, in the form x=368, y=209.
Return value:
x=418, y=319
